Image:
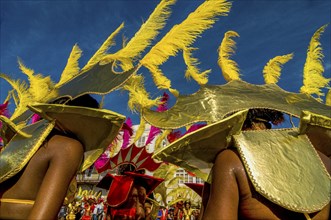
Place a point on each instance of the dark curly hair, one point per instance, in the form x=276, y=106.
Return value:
x=267, y=116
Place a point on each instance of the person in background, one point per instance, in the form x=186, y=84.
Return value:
x=162, y=213
x=187, y=211
x=148, y=209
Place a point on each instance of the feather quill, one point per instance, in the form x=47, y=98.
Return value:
x=313, y=79
x=72, y=68
x=230, y=68
x=138, y=96
x=271, y=71
x=160, y=138
x=182, y=36
x=154, y=131
x=127, y=133
x=39, y=86
x=101, y=52
x=141, y=129
x=192, y=70
x=143, y=38
x=328, y=98
x=22, y=97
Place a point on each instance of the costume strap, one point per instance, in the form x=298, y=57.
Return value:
x=17, y=201
x=307, y=216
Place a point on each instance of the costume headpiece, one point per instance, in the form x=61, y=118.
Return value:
x=131, y=162
x=225, y=108
x=97, y=77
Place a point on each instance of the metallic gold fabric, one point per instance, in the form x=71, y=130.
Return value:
x=19, y=150
x=9, y=129
x=17, y=201
x=318, y=129
x=100, y=79
x=196, y=151
x=212, y=103
x=95, y=128
x=285, y=168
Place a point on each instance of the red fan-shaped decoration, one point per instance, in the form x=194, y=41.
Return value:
x=136, y=156
x=196, y=187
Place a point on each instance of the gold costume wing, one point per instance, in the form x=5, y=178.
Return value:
x=213, y=102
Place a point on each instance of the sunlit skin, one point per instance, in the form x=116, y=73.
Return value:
x=45, y=180
x=232, y=196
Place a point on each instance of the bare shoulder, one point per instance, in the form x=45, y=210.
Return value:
x=228, y=159
x=326, y=161
x=65, y=147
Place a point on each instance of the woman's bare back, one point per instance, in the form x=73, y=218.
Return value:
x=38, y=174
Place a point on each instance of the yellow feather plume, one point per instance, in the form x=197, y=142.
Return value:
x=160, y=138
x=328, y=98
x=229, y=67
x=143, y=38
x=271, y=71
x=72, y=68
x=182, y=36
x=9, y=95
x=21, y=98
x=141, y=129
x=39, y=86
x=313, y=79
x=101, y=52
x=192, y=70
x=138, y=96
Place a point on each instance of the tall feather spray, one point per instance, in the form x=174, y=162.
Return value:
x=313, y=79
x=40, y=86
x=229, y=67
x=72, y=68
x=328, y=98
x=182, y=36
x=271, y=71
x=138, y=97
x=143, y=37
x=101, y=52
x=21, y=95
x=127, y=133
x=192, y=69
x=154, y=131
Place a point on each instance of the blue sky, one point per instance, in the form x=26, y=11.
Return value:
x=42, y=34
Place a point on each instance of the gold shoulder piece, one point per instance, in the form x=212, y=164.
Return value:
x=84, y=122
x=213, y=102
x=283, y=166
x=196, y=151
x=16, y=155
x=9, y=128
x=100, y=79
x=318, y=129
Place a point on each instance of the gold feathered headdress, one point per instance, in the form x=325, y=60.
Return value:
x=225, y=108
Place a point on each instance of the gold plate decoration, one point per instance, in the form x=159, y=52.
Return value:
x=213, y=102
x=16, y=155
x=95, y=128
x=284, y=167
x=197, y=151
x=318, y=129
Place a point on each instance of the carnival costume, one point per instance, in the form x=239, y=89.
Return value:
x=225, y=107
x=26, y=138
x=131, y=161
x=287, y=154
